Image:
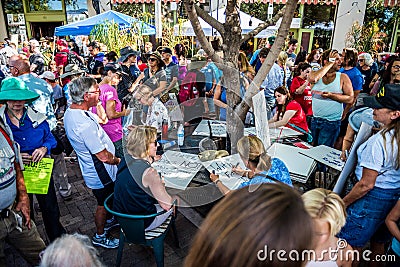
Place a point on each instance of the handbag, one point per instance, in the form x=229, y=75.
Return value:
x=62, y=140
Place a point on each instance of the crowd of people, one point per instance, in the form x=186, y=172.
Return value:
x=110, y=95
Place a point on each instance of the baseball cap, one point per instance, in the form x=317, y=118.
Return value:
x=271, y=39
x=388, y=97
x=48, y=75
x=166, y=50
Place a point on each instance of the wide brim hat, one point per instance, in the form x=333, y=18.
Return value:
x=157, y=55
x=126, y=52
x=387, y=97
x=71, y=69
x=16, y=90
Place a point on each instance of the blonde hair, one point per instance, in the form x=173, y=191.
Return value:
x=282, y=57
x=106, y=80
x=139, y=140
x=325, y=205
x=252, y=149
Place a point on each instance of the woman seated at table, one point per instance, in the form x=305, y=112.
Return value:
x=138, y=189
x=156, y=113
x=289, y=112
x=262, y=169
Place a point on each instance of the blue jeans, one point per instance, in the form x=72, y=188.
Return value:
x=270, y=104
x=367, y=214
x=324, y=132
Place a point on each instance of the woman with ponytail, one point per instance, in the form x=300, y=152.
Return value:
x=261, y=167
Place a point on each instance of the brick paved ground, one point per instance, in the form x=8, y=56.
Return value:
x=77, y=215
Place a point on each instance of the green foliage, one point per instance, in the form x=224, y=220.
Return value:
x=115, y=38
x=362, y=37
x=12, y=6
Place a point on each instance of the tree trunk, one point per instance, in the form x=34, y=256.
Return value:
x=231, y=35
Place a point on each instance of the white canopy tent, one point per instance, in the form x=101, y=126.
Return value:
x=247, y=24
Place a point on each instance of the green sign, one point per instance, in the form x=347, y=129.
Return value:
x=37, y=176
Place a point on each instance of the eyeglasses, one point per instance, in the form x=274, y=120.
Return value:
x=397, y=67
x=152, y=59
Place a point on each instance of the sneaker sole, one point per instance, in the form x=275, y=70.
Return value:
x=103, y=245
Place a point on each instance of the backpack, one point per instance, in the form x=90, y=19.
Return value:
x=73, y=58
x=209, y=77
x=188, y=93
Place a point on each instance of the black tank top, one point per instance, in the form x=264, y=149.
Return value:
x=130, y=196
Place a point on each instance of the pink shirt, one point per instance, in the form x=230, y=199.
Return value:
x=113, y=127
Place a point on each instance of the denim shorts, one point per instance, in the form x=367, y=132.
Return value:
x=324, y=132
x=366, y=215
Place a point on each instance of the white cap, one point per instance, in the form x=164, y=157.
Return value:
x=48, y=75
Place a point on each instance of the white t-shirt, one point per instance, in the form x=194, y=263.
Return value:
x=87, y=138
x=374, y=154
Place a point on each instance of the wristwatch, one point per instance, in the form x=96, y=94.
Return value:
x=217, y=181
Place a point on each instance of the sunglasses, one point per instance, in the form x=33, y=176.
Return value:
x=152, y=59
x=361, y=60
x=396, y=67
x=156, y=142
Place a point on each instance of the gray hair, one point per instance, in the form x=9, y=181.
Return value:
x=367, y=59
x=71, y=250
x=78, y=87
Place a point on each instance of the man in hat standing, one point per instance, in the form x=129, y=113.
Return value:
x=255, y=59
x=31, y=131
x=14, y=203
x=95, y=152
x=171, y=68
x=36, y=58
x=127, y=59
x=20, y=68
x=95, y=61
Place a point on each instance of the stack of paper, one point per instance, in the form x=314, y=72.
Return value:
x=300, y=167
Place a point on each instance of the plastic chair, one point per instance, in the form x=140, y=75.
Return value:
x=133, y=231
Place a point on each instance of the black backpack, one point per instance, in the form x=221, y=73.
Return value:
x=73, y=58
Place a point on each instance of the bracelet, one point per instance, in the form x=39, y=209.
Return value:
x=217, y=181
x=332, y=59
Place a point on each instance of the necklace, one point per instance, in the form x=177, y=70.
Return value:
x=20, y=120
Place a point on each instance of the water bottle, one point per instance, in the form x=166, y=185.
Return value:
x=181, y=135
x=164, y=131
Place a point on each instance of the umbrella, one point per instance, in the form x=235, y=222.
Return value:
x=84, y=27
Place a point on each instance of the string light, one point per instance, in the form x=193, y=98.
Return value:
x=354, y=5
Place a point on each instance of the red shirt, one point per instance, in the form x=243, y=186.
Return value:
x=61, y=57
x=303, y=99
x=299, y=118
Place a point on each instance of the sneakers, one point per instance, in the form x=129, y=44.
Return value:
x=111, y=224
x=105, y=241
x=66, y=193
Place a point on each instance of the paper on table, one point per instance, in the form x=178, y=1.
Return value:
x=294, y=161
x=223, y=167
x=37, y=176
x=218, y=128
x=177, y=168
x=326, y=155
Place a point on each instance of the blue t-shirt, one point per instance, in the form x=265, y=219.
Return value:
x=396, y=244
x=355, y=76
x=278, y=170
